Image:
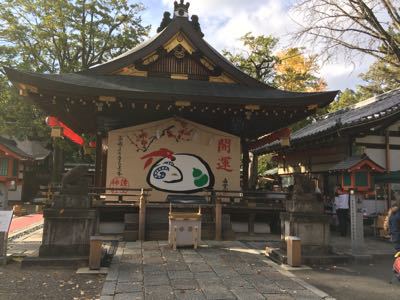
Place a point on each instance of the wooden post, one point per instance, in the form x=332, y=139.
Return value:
x=388, y=169
x=218, y=219
x=142, y=216
x=98, y=161
x=95, y=253
x=245, y=162
x=252, y=218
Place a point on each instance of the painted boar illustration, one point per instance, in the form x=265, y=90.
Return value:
x=178, y=173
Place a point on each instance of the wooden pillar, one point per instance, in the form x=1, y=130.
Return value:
x=98, y=161
x=104, y=166
x=218, y=219
x=252, y=217
x=388, y=169
x=142, y=216
x=245, y=163
x=95, y=253
x=57, y=162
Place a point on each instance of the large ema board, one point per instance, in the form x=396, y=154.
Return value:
x=172, y=156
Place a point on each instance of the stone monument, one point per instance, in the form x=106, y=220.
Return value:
x=70, y=221
x=305, y=218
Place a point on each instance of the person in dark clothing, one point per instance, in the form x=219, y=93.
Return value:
x=342, y=210
x=394, y=227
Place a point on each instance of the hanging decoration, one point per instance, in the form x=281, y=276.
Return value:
x=66, y=131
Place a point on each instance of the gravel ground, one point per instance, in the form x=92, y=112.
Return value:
x=47, y=283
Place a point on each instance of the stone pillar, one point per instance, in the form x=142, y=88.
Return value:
x=70, y=222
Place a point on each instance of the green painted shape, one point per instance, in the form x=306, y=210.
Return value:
x=197, y=173
x=202, y=181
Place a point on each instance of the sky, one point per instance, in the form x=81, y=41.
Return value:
x=225, y=21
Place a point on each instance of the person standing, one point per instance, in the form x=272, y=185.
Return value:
x=394, y=226
x=342, y=210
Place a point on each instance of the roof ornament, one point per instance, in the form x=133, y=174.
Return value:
x=196, y=24
x=181, y=9
x=165, y=21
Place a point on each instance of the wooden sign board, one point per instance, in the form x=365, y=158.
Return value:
x=5, y=220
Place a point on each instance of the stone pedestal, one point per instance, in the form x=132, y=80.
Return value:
x=67, y=231
x=312, y=229
x=305, y=219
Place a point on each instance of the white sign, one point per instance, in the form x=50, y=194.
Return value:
x=5, y=220
x=184, y=173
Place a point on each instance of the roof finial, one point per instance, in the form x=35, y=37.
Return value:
x=181, y=9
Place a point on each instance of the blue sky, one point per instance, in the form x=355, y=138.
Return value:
x=225, y=21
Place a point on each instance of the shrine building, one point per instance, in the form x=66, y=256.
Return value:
x=172, y=115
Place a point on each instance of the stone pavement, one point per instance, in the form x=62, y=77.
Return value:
x=217, y=270
x=24, y=222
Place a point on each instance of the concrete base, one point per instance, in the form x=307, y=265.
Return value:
x=86, y=270
x=3, y=261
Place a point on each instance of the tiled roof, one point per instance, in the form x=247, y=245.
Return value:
x=372, y=109
x=12, y=146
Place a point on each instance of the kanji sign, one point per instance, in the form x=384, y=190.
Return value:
x=224, y=145
x=224, y=163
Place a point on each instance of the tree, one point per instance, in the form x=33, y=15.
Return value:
x=59, y=36
x=257, y=58
x=297, y=72
x=67, y=36
x=363, y=26
x=346, y=98
x=380, y=78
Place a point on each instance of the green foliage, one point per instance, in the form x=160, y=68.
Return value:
x=257, y=58
x=59, y=36
x=346, y=98
x=380, y=78
x=67, y=36
x=265, y=163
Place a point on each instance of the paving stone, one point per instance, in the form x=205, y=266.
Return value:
x=206, y=276
x=156, y=280
x=217, y=291
x=278, y=297
x=112, y=274
x=225, y=272
x=108, y=288
x=128, y=287
x=290, y=285
x=176, y=266
x=159, y=292
x=197, y=268
x=101, y=298
x=133, y=245
x=184, y=284
x=153, y=260
x=180, y=274
x=237, y=282
x=269, y=288
x=154, y=269
x=189, y=295
x=129, y=296
x=130, y=276
x=247, y=294
x=303, y=295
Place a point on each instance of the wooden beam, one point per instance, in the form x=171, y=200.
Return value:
x=218, y=219
x=98, y=160
x=142, y=217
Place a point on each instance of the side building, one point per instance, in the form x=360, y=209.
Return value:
x=370, y=129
